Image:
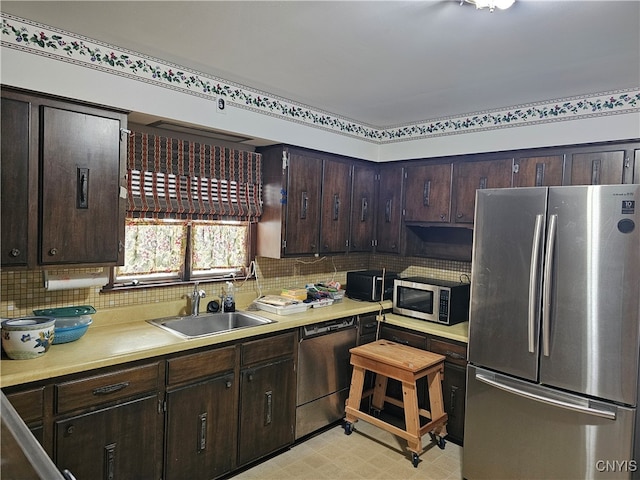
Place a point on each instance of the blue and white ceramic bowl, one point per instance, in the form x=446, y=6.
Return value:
x=27, y=337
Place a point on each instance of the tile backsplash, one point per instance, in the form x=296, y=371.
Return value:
x=23, y=291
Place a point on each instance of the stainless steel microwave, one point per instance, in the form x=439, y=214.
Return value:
x=432, y=300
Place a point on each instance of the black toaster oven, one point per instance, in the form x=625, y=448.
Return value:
x=368, y=285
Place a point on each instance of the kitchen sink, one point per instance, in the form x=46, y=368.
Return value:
x=194, y=326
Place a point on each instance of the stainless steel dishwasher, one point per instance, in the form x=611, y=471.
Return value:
x=324, y=373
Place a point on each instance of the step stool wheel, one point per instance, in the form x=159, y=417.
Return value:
x=348, y=428
x=414, y=459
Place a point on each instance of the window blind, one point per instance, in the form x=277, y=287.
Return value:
x=174, y=178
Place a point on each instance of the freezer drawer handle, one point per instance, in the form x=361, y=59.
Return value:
x=550, y=401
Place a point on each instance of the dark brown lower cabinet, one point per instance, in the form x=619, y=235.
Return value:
x=111, y=444
x=201, y=429
x=453, y=384
x=267, y=409
x=453, y=391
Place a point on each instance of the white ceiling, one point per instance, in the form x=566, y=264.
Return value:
x=382, y=63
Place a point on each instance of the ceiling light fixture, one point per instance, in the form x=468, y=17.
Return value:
x=490, y=4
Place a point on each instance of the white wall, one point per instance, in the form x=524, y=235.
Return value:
x=47, y=75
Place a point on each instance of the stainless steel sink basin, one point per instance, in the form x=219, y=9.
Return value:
x=193, y=326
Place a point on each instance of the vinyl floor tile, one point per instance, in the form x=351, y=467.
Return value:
x=369, y=453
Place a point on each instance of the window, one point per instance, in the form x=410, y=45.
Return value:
x=178, y=250
x=191, y=212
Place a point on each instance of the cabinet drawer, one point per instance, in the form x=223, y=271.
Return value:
x=104, y=388
x=406, y=338
x=268, y=349
x=29, y=404
x=199, y=365
x=455, y=352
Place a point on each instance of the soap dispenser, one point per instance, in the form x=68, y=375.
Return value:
x=229, y=299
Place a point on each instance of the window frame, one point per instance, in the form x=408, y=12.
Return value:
x=186, y=275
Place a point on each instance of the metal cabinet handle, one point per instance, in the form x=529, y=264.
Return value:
x=336, y=206
x=268, y=407
x=595, y=171
x=202, y=433
x=110, y=461
x=304, y=203
x=426, y=192
x=483, y=183
x=82, y=200
x=539, y=174
x=228, y=384
x=399, y=340
x=455, y=355
x=452, y=401
x=364, y=208
x=110, y=388
x=387, y=210
x=53, y=251
x=14, y=252
x=459, y=215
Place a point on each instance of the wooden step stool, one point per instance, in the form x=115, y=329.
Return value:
x=407, y=364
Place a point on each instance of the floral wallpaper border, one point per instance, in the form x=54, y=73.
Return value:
x=39, y=39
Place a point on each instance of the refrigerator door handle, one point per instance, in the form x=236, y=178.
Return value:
x=533, y=282
x=546, y=294
x=549, y=401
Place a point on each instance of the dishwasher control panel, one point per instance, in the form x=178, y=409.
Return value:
x=328, y=326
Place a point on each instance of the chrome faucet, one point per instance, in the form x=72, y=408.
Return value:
x=195, y=299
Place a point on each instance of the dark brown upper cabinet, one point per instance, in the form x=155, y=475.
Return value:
x=80, y=177
x=470, y=176
x=336, y=206
x=363, y=208
x=600, y=168
x=543, y=171
x=71, y=158
x=17, y=190
x=389, y=210
x=428, y=193
x=306, y=203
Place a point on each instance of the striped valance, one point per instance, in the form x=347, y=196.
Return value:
x=172, y=178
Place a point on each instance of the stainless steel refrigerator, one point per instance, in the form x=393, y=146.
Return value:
x=552, y=383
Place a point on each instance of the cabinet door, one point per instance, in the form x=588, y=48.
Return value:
x=428, y=193
x=80, y=167
x=538, y=171
x=14, y=187
x=302, y=228
x=111, y=444
x=470, y=176
x=394, y=387
x=602, y=168
x=389, y=210
x=267, y=410
x=363, y=209
x=453, y=392
x=336, y=206
x=454, y=384
x=201, y=430
x=636, y=170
